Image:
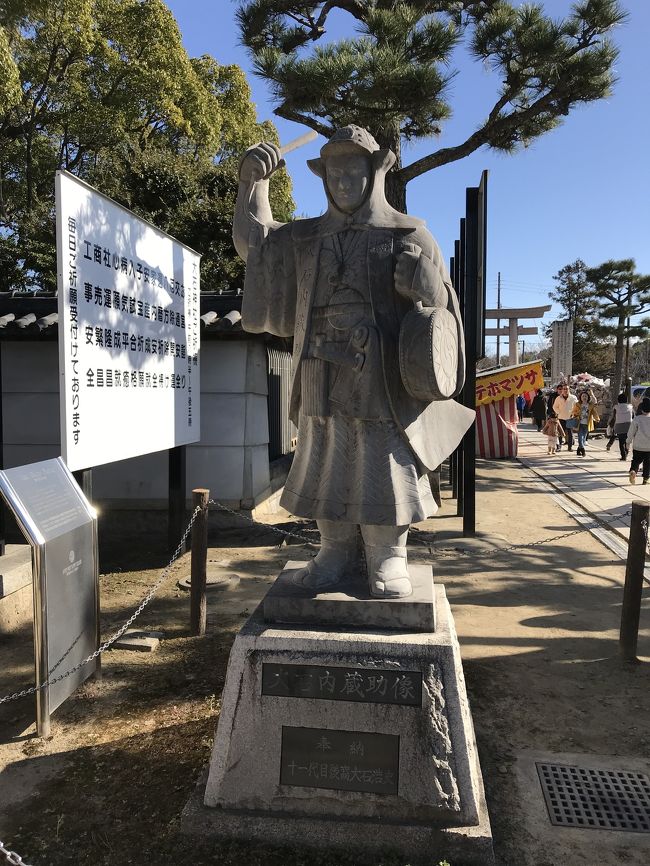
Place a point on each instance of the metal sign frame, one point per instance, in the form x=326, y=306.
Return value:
x=39, y=544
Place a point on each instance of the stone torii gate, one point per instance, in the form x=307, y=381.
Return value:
x=514, y=329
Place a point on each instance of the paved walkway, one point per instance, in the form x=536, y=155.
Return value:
x=598, y=483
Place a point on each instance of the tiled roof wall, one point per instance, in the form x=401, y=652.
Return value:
x=35, y=316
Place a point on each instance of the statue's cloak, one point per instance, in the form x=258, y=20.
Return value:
x=281, y=271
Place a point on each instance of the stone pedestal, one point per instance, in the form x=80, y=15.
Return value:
x=360, y=738
x=350, y=606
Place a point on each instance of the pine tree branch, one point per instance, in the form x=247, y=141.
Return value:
x=355, y=7
x=289, y=114
x=491, y=128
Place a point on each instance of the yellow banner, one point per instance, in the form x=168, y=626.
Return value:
x=510, y=382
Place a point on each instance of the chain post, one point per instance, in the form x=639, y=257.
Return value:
x=633, y=589
x=198, y=580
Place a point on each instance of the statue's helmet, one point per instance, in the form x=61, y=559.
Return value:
x=350, y=135
x=356, y=139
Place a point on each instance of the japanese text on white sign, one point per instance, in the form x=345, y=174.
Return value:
x=128, y=331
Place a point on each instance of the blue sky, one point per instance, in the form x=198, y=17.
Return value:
x=580, y=191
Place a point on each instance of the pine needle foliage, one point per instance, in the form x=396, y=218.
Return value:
x=623, y=299
x=393, y=74
x=576, y=298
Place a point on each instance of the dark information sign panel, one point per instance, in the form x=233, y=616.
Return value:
x=49, y=498
x=60, y=525
x=331, y=683
x=342, y=760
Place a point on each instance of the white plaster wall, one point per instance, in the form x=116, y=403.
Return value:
x=231, y=458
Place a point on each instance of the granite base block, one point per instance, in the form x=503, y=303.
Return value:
x=16, y=598
x=347, y=739
x=350, y=605
x=422, y=844
x=15, y=568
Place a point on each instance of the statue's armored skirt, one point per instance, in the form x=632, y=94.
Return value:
x=356, y=471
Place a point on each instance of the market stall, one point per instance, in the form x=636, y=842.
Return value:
x=496, y=409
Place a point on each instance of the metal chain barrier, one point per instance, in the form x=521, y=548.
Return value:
x=11, y=856
x=453, y=551
x=50, y=681
x=445, y=551
x=266, y=526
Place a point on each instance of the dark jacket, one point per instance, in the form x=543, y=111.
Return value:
x=538, y=407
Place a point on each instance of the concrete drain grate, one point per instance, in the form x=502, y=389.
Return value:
x=598, y=799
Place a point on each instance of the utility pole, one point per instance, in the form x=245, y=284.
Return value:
x=627, y=335
x=498, y=320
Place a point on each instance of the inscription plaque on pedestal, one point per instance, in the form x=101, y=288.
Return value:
x=342, y=760
x=343, y=684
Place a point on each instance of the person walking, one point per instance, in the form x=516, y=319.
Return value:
x=638, y=438
x=563, y=408
x=620, y=421
x=552, y=430
x=538, y=409
x=585, y=414
x=521, y=405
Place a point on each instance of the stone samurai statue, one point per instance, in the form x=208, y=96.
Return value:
x=377, y=355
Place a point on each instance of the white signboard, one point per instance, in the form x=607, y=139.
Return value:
x=561, y=350
x=128, y=331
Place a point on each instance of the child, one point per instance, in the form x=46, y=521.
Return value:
x=552, y=430
x=638, y=438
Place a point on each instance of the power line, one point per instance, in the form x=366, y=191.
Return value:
x=519, y=291
x=529, y=283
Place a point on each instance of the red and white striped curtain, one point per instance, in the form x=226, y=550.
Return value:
x=496, y=429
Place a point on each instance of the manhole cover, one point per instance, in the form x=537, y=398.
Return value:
x=600, y=799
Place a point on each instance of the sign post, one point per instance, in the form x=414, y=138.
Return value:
x=61, y=527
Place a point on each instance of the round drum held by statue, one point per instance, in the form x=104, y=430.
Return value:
x=428, y=353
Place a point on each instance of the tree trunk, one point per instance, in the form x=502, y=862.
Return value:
x=395, y=192
x=616, y=383
x=395, y=187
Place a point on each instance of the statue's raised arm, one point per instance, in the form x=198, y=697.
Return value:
x=252, y=208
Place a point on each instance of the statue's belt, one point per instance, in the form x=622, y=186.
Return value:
x=341, y=316
x=345, y=353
